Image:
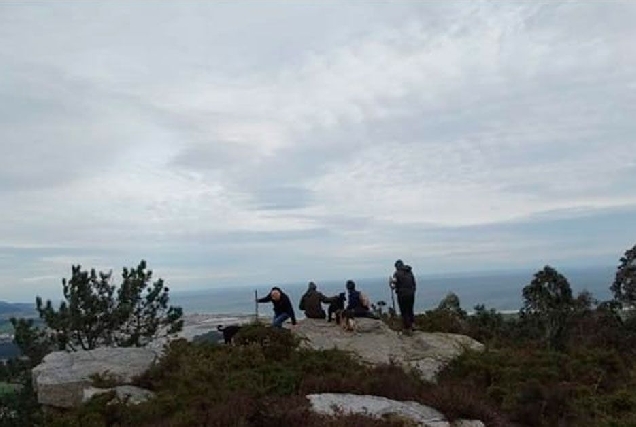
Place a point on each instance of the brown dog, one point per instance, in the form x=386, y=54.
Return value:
x=346, y=319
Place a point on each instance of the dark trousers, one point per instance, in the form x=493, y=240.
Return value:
x=406, y=303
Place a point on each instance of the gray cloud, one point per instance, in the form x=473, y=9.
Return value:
x=241, y=142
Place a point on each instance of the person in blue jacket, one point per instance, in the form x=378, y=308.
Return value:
x=357, y=302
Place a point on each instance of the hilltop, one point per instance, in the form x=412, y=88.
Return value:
x=315, y=363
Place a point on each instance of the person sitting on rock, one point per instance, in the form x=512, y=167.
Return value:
x=312, y=302
x=283, y=309
x=357, y=302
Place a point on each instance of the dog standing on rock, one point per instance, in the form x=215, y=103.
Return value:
x=336, y=306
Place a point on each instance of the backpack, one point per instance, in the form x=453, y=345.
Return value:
x=364, y=301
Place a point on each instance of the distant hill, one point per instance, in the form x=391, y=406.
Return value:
x=18, y=309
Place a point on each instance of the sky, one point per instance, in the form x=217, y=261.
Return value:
x=233, y=143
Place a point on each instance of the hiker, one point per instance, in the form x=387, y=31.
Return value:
x=403, y=281
x=312, y=302
x=283, y=309
x=357, y=302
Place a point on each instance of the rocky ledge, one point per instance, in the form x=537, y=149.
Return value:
x=375, y=343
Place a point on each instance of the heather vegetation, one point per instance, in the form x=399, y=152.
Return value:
x=564, y=360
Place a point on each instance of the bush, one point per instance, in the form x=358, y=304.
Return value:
x=545, y=388
x=441, y=321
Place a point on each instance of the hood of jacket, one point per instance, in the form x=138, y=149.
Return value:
x=405, y=267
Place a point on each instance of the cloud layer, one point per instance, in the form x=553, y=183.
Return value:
x=251, y=142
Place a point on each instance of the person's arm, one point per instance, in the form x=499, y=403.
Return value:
x=393, y=281
x=291, y=311
x=398, y=280
x=329, y=300
x=301, y=306
x=324, y=299
x=267, y=298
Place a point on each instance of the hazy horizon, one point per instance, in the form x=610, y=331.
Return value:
x=525, y=275
x=268, y=142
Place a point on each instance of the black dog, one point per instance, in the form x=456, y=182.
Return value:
x=337, y=304
x=228, y=332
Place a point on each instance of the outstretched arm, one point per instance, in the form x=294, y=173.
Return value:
x=267, y=298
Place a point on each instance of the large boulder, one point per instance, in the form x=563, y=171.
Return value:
x=62, y=378
x=374, y=342
x=381, y=407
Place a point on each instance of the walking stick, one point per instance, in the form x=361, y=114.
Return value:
x=392, y=296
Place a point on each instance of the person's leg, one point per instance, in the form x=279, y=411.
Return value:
x=279, y=320
x=402, y=303
x=410, y=302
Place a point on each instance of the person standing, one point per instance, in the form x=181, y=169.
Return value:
x=403, y=281
x=283, y=309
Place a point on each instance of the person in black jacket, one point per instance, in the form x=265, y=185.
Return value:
x=283, y=309
x=403, y=281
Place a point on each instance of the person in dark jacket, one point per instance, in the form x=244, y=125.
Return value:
x=403, y=282
x=283, y=309
x=312, y=302
x=356, y=302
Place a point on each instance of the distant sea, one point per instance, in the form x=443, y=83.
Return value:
x=500, y=290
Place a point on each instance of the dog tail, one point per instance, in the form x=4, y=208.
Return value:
x=220, y=328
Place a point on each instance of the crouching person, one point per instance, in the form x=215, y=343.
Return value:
x=283, y=309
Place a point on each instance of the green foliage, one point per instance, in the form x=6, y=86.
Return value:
x=486, y=325
x=20, y=408
x=139, y=317
x=624, y=286
x=548, y=303
x=95, y=312
x=447, y=317
x=547, y=388
x=33, y=342
x=451, y=303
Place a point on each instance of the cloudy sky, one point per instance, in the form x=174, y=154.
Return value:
x=258, y=142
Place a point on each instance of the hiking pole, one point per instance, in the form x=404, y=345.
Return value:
x=392, y=296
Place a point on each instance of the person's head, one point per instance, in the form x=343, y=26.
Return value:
x=351, y=286
x=312, y=286
x=275, y=294
x=399, y=264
